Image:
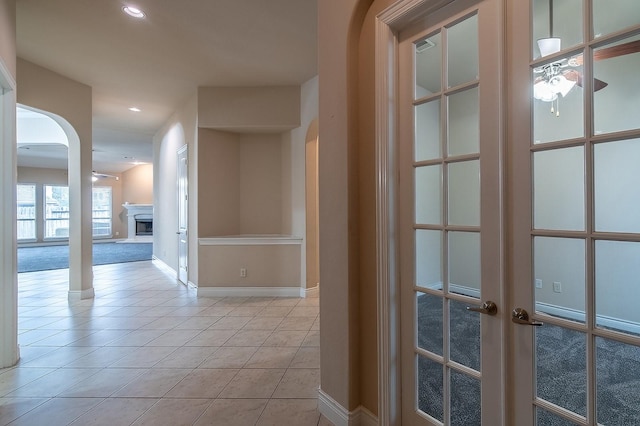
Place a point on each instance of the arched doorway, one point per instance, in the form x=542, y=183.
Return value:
x=36, y=128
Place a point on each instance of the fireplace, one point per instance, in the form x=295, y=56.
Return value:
x=139, y=222
x=144, y=224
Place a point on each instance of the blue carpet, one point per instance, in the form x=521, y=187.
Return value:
x=32, y=259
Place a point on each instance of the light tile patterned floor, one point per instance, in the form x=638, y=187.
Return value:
x=147, y=351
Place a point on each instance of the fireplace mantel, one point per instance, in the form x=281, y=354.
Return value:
x=140, y=211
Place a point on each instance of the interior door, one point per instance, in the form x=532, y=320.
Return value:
x=183, y=216
x=576, y=212
x=452, y=344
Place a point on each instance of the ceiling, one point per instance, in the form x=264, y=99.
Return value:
x=157, y=63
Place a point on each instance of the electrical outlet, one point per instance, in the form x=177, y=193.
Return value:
x=117, y=233
x=243, y=272
x=557, y=287
x=538, y=283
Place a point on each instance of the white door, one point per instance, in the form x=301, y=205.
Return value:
x=451, y=258
x=576, y=211
x=183, y=216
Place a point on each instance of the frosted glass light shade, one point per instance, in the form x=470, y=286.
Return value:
x=549, y=46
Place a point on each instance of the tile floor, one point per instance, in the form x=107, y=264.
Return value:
x=147, y=351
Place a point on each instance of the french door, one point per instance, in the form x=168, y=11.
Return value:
x=451, y=217
x=519, y=252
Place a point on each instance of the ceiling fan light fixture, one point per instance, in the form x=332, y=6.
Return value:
x=549, y=46
x=543, y=91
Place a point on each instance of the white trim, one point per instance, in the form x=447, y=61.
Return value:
x=386, y=222
x=604, y=321
x=81, y=294
x=311, y=292
x=250, y=291
x=160, y=264
x=193, y=285
x=340, y=416
x=7, y=76
x=250, y=240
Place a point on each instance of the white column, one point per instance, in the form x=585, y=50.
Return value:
x=9, y=351
x=80, y=217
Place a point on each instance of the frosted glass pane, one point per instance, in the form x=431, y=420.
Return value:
x=559, y=277
x=427, y=135
x=617, y=192
x=464, y=330
x=464, y=123
x=617, y=378
x=464, y=263
x=430, y=388
x=428, y=55
x=428, y=259
x=561, y=367
x=566, y=22
x=465, y=400
x=462, y=52
x=429, y=323
x=617, y=107
x=618, y=285
x=558, y=104
x=559, y=189
x=428, y=197
x=464, y=193
x=610, y=16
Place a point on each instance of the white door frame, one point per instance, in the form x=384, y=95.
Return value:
x=9, y=350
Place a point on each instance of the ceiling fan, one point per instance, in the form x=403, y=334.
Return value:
x=95, y=176
x=560, y=76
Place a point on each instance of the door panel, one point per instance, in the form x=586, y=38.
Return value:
x=576, y=233
x=183, y=216
x=450, y=218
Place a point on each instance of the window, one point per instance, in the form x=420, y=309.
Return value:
x=56, y=211
x=26, y=200
x=102, y=211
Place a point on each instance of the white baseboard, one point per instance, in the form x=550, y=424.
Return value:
x=340, y=416
x=163, y=266
x=250, y=291
x=310, y=292
x=579, y=316
x=81, y=294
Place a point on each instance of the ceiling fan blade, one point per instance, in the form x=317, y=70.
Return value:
x=599, y=84
x=615, y=51
x=608, y=52
x=576, y=76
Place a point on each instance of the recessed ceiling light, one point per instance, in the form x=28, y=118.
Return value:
x=133, y=11
x=135, y=109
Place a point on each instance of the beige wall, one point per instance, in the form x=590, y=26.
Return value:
x=219, y=195
x=249, y=108
x=137, y=184
x=347, y=343
x=8, y=35
x=260, y=184
x=266, y=265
